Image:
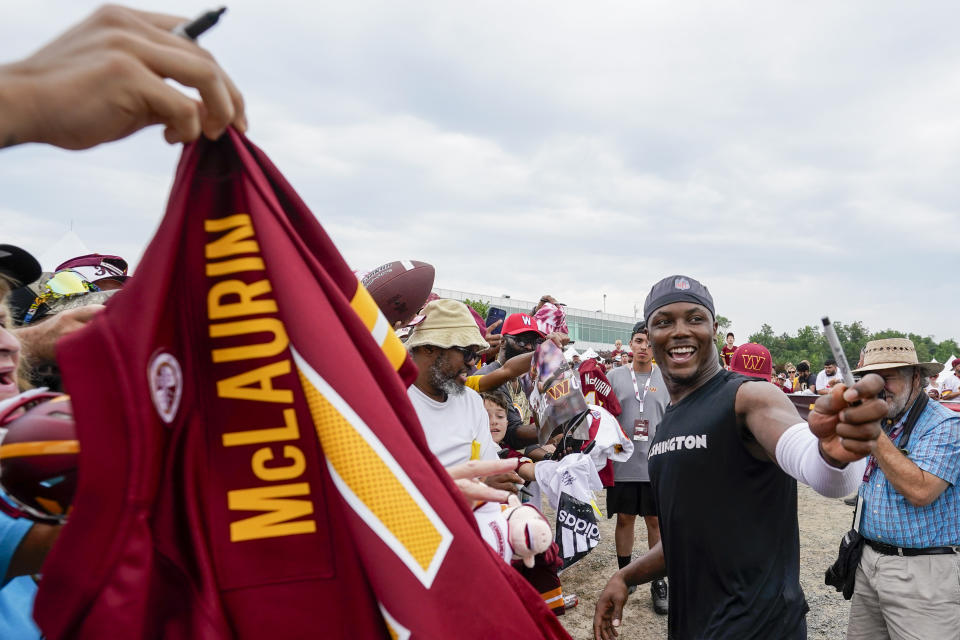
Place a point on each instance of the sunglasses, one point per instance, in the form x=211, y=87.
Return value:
x=469, y=355
x=527, y=341
x=68, y=282
x=63, y=283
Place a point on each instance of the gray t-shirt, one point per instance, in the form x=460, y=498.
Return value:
x=654, y=403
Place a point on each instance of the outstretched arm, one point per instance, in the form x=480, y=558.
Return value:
x=818, y=454
x=104, y=79
x=512, y=368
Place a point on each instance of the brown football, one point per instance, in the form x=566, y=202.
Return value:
x=38, y=458
x=400, y=288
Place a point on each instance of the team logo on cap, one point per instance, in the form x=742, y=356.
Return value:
x=753, y=362
x=681, y=283
x=166, y=385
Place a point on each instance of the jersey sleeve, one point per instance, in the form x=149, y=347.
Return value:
x=473, y=382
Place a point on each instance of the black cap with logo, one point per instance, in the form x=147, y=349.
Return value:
x=677, y=289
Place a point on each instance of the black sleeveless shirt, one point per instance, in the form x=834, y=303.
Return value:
x=728, y=523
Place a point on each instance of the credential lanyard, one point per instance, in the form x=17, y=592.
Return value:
x=636, y=388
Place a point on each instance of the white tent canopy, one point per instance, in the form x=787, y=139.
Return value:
x=589, y=353
x=68, y=246
x=946, y=372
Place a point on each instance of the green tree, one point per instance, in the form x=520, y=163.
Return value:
x=723, y=325
x=810, y=344
x=479, y=306
x=947, y=349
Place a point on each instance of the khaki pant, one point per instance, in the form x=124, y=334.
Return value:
x=905, y=598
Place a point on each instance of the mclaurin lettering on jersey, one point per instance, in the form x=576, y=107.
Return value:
x=255, y=469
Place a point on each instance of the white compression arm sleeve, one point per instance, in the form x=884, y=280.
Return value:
x=798, y=453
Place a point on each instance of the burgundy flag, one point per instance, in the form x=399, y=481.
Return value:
x=250, y=465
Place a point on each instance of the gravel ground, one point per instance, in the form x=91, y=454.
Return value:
x=823, y=521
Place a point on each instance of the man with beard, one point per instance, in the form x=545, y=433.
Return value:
x=445, y=347
x=906, y=584
x=520, y=335
x=723, y=467
x=828, y=377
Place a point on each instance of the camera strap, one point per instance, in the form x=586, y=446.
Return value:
x=918, y=407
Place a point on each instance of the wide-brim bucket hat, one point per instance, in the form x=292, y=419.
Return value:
x=446, y=323
x=894, y=353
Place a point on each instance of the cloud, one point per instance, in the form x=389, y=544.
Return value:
x=798, y=159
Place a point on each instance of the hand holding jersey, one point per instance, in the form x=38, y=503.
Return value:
x=104, y=79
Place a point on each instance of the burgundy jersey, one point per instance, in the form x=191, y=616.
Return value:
x=250, y=465
x=598, y=390
x=594, y=381
x=727, y=354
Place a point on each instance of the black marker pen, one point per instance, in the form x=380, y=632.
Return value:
x=192, y=30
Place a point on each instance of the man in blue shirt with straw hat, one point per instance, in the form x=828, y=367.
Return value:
x=907, y=582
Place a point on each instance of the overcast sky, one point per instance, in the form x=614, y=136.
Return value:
x=797, y=158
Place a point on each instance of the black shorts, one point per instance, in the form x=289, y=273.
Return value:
x=634, y=498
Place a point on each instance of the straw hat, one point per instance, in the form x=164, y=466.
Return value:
x=446, y=323
x=894, y=353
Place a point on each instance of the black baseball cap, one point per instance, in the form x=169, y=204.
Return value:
x=18, y=265
x=637, y=328
x=677, y=289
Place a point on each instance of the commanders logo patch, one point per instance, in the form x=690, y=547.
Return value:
x=166, y=385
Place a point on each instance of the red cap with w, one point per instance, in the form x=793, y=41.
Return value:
x=517, y=323
x=752, y=360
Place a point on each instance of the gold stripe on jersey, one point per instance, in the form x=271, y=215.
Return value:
x=378, y=325
x=372, y=482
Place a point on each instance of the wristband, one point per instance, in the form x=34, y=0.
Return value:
x=798, y=454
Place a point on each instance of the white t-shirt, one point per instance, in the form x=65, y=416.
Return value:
x=950, y=383
x=453, y=426
x=823, y=379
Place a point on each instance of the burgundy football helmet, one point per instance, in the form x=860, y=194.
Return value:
x=38, y=455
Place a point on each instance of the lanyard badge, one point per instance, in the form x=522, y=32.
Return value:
x=636, y=388
x=641, y=427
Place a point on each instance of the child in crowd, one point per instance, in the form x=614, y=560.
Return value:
x=497, y=405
